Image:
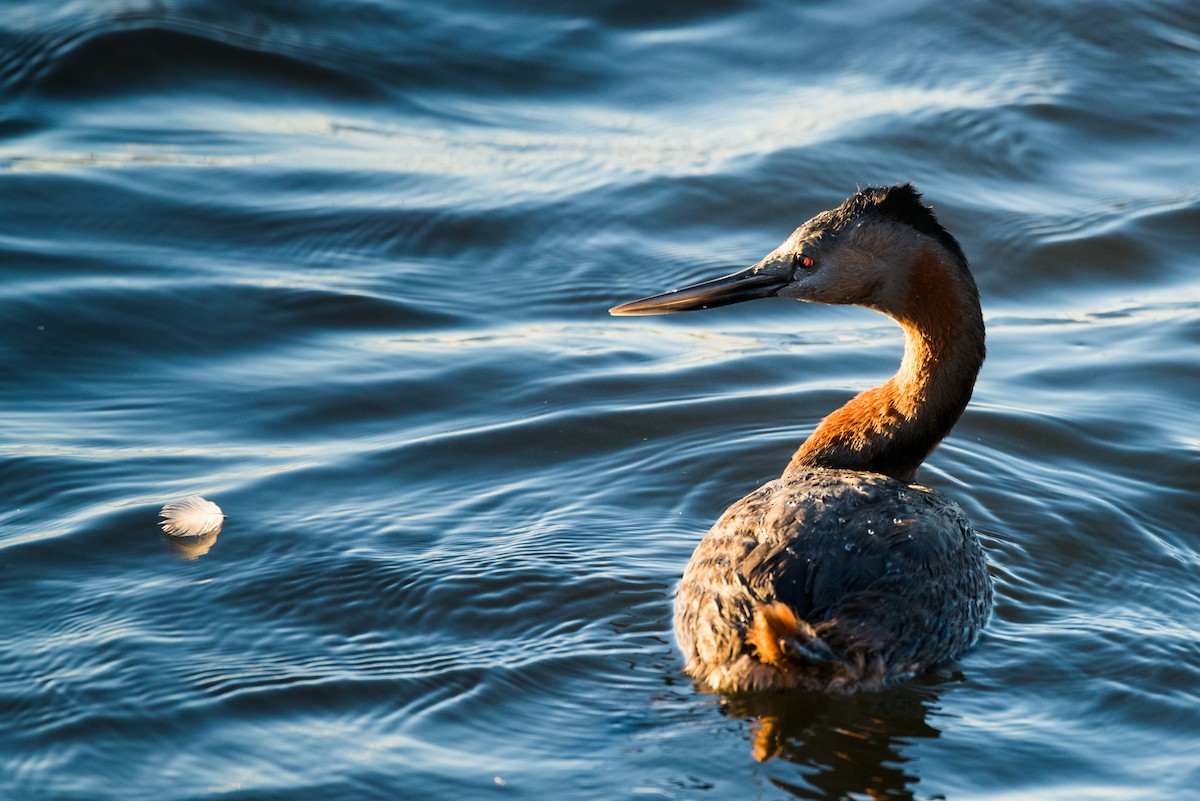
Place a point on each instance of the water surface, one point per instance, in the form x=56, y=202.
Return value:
x=344, y=269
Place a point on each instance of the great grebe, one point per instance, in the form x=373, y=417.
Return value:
x=845, y=575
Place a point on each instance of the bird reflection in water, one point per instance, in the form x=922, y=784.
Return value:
x=842, y=746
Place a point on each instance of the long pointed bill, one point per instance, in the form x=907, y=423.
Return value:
x=760, y=281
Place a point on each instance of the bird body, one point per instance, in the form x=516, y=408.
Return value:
x=844, y=574
x=881, y=579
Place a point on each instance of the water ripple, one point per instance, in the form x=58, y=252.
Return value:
x=344, y=268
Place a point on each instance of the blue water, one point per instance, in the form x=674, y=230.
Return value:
x=344, y=268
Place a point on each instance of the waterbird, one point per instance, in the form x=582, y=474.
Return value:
x=844, y=574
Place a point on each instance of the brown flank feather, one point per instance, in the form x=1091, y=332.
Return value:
x=772, y=624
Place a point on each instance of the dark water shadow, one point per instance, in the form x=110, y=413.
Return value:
x=843, y=747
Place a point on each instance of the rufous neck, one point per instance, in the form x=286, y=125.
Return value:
x=893, y=427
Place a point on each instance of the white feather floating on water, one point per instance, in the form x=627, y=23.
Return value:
x=191, y=517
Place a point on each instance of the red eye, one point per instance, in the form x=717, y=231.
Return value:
x=806, y=262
